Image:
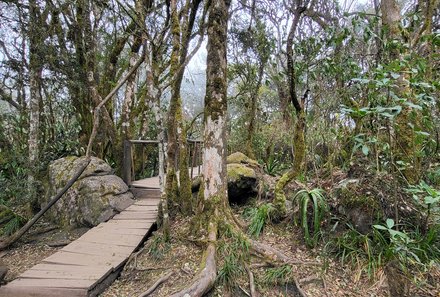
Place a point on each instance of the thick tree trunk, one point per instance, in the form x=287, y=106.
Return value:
x=214, y=198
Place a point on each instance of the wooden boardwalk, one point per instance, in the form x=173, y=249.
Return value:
x=89, y=264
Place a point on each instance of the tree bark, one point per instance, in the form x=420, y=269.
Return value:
x=214, y=198
x=35, y=72
x=300, y=125
x=406, y=148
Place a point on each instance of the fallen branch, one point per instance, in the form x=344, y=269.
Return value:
x=17, y=235
x=156, y=284
x=251, y=283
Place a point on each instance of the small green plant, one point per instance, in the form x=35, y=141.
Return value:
x=13, y=225
x=365, y=251
x=316, y=199
x=158, y=246
x=278, y=275
x=428, y=200
x=260, y=217
x=235, y=249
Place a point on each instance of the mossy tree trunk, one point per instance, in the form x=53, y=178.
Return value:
x=175, y=125
x=35, y=72
x=299, y=129
x=174, y=110
x=214, y=199
x=406, y=124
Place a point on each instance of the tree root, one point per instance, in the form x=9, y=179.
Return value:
x=206, y=278
x=275, y=255
x=251, y=283
x=156, y=284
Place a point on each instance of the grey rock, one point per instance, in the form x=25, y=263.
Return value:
x=94, y=198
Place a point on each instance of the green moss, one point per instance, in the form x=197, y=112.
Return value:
x=239, y=157
x=237, y=171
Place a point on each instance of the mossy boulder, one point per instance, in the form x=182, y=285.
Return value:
x=94, y=198
x=242, y=183
x=240, y=158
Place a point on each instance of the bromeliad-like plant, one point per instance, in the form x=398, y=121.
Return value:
x=316, y=199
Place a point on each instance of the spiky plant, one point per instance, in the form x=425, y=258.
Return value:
x=259, y=219
x=316, y=199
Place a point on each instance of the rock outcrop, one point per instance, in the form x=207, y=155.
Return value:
x=242, y=178
x=96, y=197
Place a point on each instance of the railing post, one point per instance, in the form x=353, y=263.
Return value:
x=126, y=163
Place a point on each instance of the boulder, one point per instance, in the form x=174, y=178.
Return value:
x=242, y=183
x=94, y=198
x=240, y=158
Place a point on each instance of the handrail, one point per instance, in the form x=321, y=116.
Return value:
x=127, y=165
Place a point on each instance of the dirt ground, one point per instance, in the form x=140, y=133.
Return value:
x=318, y=276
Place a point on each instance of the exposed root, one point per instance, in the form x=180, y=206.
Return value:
x=298, y=287
x=251, y=283
x=275, y=255
x=206, y=278
x=156, y=284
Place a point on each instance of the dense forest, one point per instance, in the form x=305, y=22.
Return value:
x=321, y=120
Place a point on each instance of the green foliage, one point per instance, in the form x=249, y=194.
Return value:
x=370, y=252
x=235, y=249
x=316, y=199
x=158, y=246
x=13, y=225
x=278, y=275
x=259, y=218
x=428, y=200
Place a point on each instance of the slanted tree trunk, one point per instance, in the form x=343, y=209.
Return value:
x=214, y=199
x=299, y=132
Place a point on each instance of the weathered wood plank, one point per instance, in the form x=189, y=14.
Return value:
x=41, y=292
x=52, y=283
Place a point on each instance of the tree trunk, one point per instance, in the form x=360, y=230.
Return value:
x=300, y=125
x=35, y=71
x=215, y=197
x=406, y=124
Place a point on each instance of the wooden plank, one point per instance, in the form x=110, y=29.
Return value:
x=98, y=249
x=52, y=283
x=41, y=292
x=117, y=239
x=138, y=207
x=70, y=258
x=135, y=216
x=70, y=268
x=80, y=275
x=143, y=225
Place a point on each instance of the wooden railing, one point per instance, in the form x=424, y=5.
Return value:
x=128, y=172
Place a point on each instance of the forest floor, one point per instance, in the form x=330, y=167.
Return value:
x=321, y=275
x=183, y=257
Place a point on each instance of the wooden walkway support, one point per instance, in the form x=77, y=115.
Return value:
x=89, y=264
